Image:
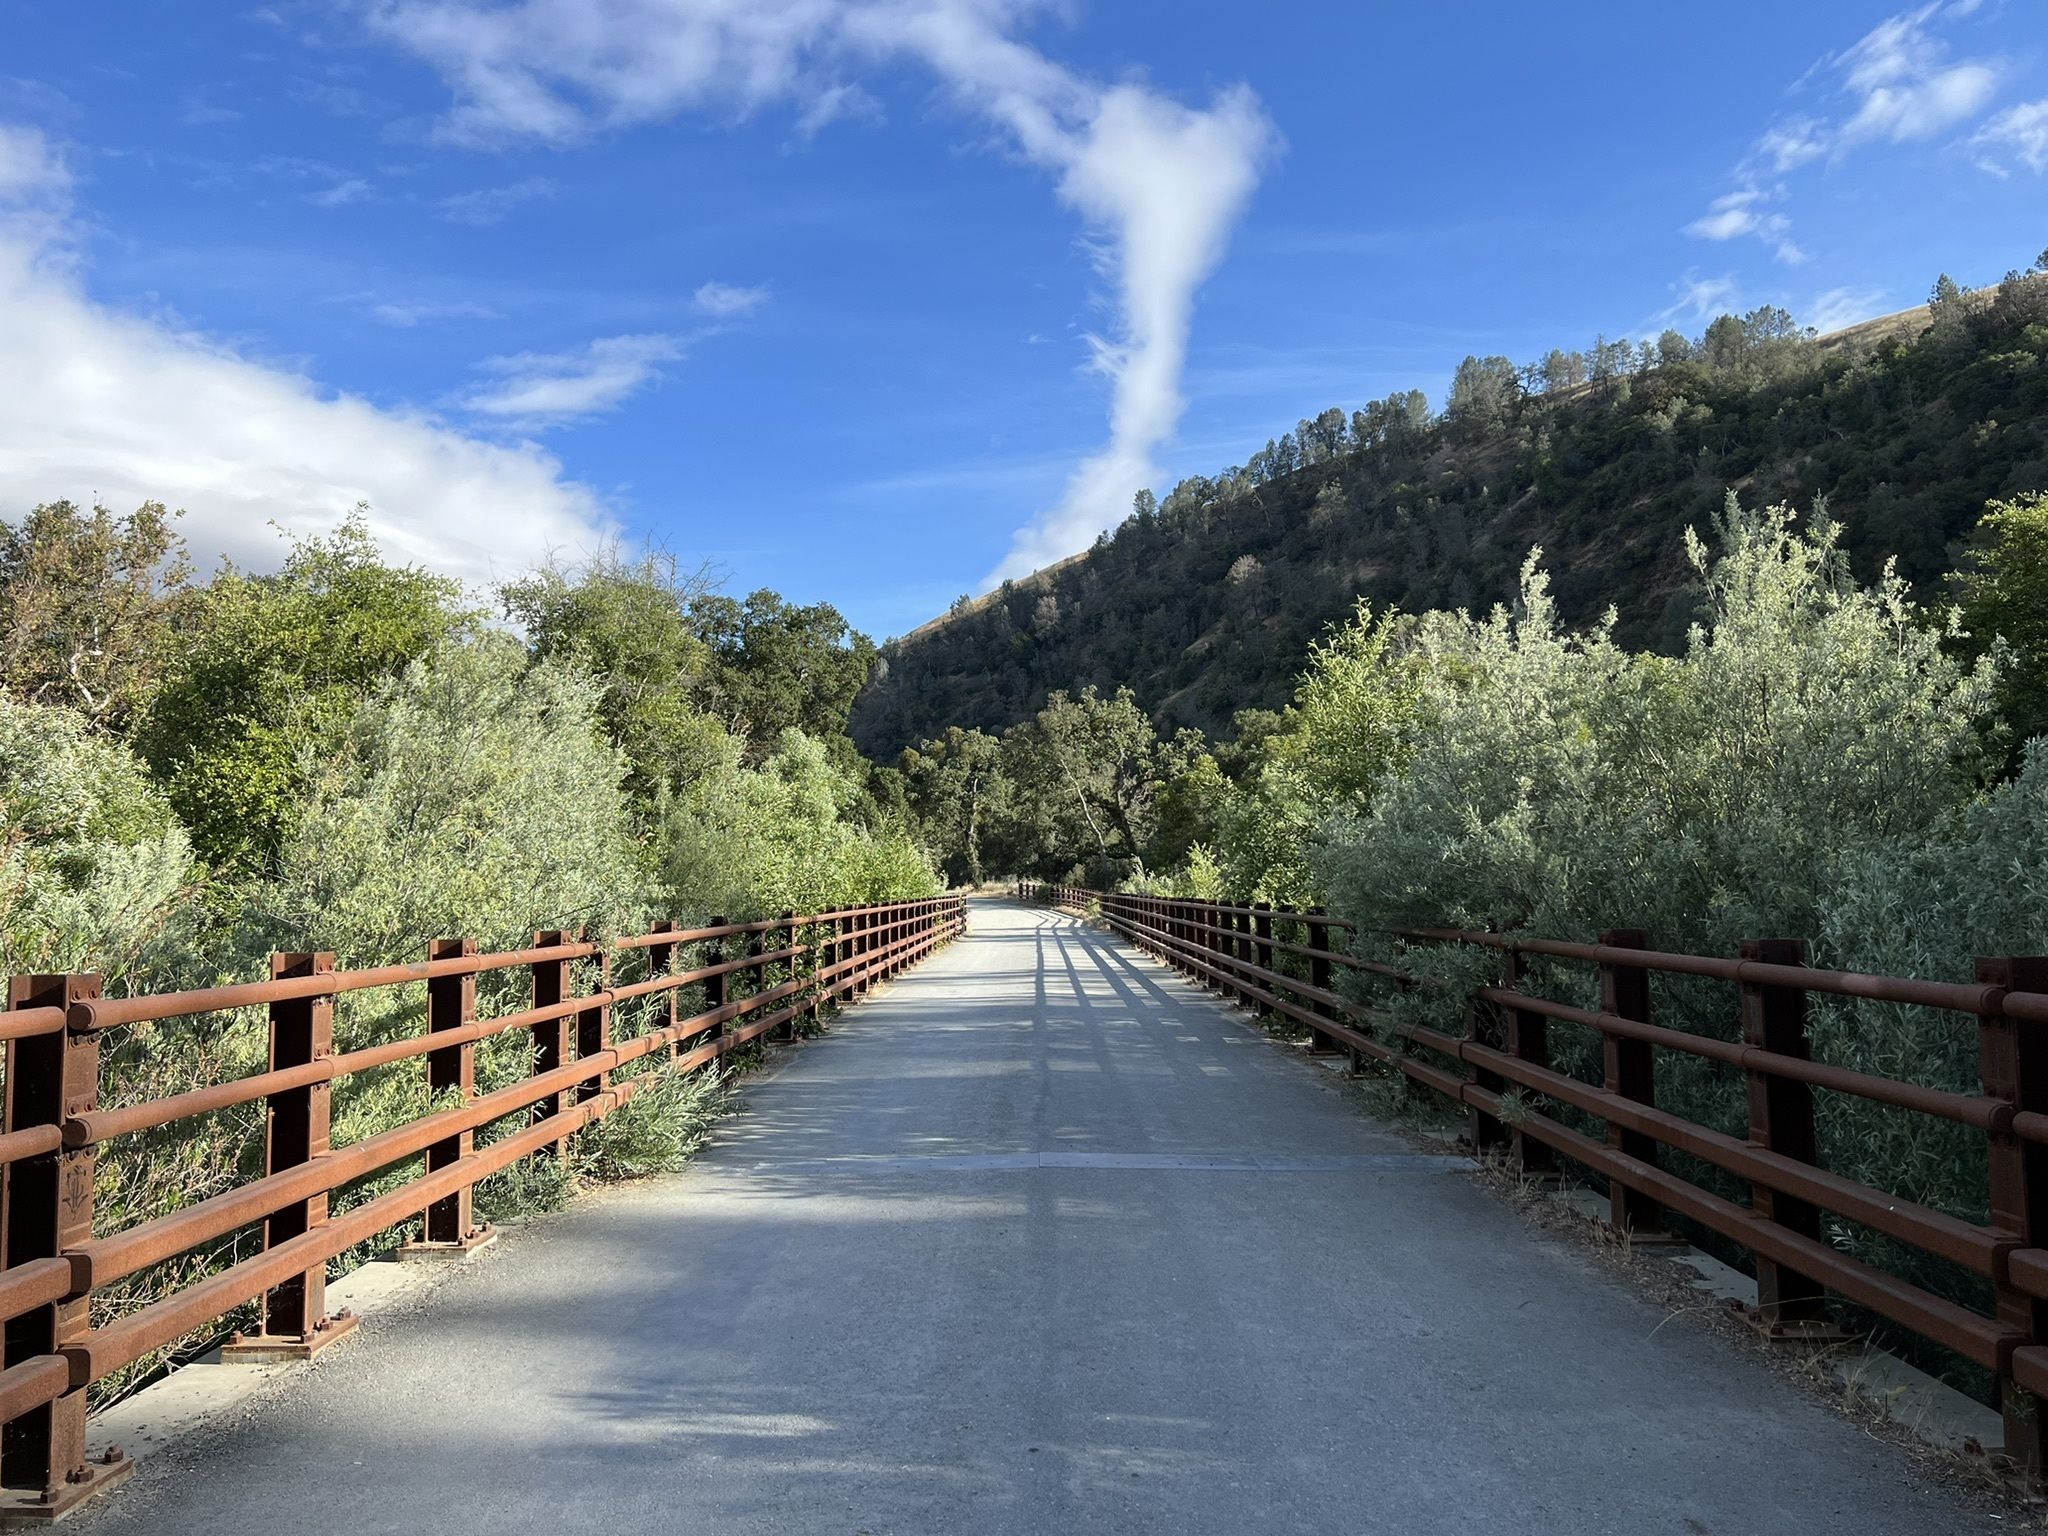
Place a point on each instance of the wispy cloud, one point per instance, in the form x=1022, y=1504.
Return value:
x=1161, y=185
x=35, y=193
x=487, y=205
x=424, y=312
x=728, y=301
x=841, y=102
x=1840, y=308
x=201, y=112
x=1793, y=143
x=1898, y=84
x=340, y=186
x=1697, y=298
x=1904, y=85
x=352, y=190
x=31, y=169
x=542, y=389
x=2017, y=134
x=1736, y=214
x=106, y=404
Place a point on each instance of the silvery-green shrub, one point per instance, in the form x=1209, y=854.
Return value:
x=93, y=864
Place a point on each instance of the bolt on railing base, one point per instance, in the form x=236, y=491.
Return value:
x=263, y=1348
x=419, y=1251
x=46, y=1506
x=1655, y=1240
x=1812, y=1333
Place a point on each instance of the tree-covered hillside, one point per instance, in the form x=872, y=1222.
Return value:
x=1205, y=604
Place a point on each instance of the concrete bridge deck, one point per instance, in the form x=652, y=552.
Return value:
x=1041, y=1240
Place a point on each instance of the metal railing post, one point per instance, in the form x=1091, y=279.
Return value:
x=45, y=1209
x=715, y=990
x=1630, y=1072
x=551, y=985
x=1486, y=1133
x=1528, y=1040
x=756, y=971
x=2013, y=1061
x=1262, y=947
x=785, y=938
x=1315, y=934
x=295, y=1324
x=830, y=947
x=1789, y=1305
x=594, y=1028
x=450, y=1225
x=659, y=958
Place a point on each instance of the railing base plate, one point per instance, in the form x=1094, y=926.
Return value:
x=26, y=1506
x=1813, y=1333
x=418, y=1252
x=263, y=1348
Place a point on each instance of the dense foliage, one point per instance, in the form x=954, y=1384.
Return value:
x=1822, y=759
x=347, y=755
x=1203, y=603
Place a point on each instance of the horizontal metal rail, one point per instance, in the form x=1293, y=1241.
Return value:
x=1500, y=1070
x=754, y=978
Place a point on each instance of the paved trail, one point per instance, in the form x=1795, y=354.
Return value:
x=1040, y=1240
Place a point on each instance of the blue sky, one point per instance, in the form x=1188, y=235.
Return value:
x=867, y=300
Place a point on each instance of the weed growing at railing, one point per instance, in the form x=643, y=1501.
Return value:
x=659, y=1130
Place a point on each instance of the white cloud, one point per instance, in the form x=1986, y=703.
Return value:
x=1904, y=85
x=487, y=205
x=1793, y=143
x=1839, y=308
x=353, y=190
x=844, y=102
x=1736, y=214
x=29, y=167
x=1698, y=299
x=728, y=301
x=2020, y=132
x=1161, y=182
x=1895, y=84
x=423, y=312
x=35, y=187
x=536, y=389
x=102, y=403
x=1727, y=217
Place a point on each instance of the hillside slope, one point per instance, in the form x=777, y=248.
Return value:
x=1206, y=604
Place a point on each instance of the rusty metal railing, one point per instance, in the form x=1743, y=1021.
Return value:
x=52, y=1263
x=1505, y=1052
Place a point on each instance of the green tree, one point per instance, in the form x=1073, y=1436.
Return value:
x=473, y=794
x=1563, y=370
x=1552, y=779
x=269, y=670
x=86, y=607
x=93, y=863
x=1086, y=773
x=956, y=789
x=1347, y=727
x=1192, y=790
x=779, y=666
x=2004, y=595
x=746, y=842
x=628, y=623
x=1484, y=391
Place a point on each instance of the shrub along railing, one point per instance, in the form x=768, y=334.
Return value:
x=1502, y=1069
x=55, y=1263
